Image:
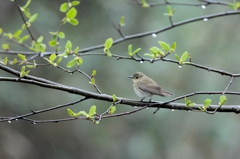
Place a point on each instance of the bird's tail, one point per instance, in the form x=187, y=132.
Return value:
x=165, y=93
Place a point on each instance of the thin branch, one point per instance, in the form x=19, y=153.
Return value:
x=134, y=36
x=118, y=30
x=230, y=82
x=18, y=6
x=84, y=118
x=185, y=3
x=41, y=111
x=90, y=78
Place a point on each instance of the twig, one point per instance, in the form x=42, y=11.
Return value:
x=18, y=6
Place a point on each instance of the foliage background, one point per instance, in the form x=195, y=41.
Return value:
x=166, y=135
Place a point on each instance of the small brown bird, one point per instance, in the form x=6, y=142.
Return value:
x=146, y=87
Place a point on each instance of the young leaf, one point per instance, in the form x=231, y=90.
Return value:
x=71, y=13
x=64, y=7
x=68, y=45
x=5, y=60
x=173, y=47
x=184, y=56
x=108, y=43
x=33, y=18
x=61, y=35
x=114, y=97
x=52, y=43
x=1, y=31
x=177, y=57
x=22, y=57
x=70, y=112
x=52, y=57
x=112, y=110
x=17, y=33
x=71, y=63
x=73, y=21
x=206, y=104
x=222, y=100
x=121, y=22
x=145, y=4
x=5, y=47
x=92, y=81
x=94, y=72
x=85, y=114
x=130, y=48
x=76, y=50
x=92, y=111
x=74, y=3
x=136, y=51
x=164, y=45
x=40, y=39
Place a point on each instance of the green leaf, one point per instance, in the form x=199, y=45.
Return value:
x=17, y=33
x=108, y=43
x=112, y=110
x=40, y=39
x=61, y=35
x=74, y=3
x=145, y=4
x=64, y=7
x=78, y=114
x=107, y=51
x=164, y=45
x=73, y=21
x=70, y=112
x=92, y=81
x=52, y=57
x=33, y=18
x=5, y=60
x=183, y=57
x=156, y=51
x=27, y=4
x=94, y=72
x=173, y=47
x=71, y=63
x=130, y=48
x=25, y=37
x=222, y=100
x=59, y=60
x=150, y=55
x=79, y=61
x=92, y=111
x=14, y=61
x=5, y=47
x=76, y=50
x=121, y=22
x=1, y=31
x=22, y=57
x=136, y=51
x=114, y=97
x=52, y=43
x=177, y=57
x=30, y=66
x=85, y=114
x=207, y=103
x=68, y=45
x=71, y=13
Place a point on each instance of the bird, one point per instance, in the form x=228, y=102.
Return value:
x=145, y=87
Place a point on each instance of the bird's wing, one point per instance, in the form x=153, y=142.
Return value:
x=151, y=87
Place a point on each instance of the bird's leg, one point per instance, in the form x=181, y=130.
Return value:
x=142, y=99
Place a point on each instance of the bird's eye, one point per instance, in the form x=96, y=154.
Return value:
x=136, y=77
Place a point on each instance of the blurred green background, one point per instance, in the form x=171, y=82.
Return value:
x=166, y=135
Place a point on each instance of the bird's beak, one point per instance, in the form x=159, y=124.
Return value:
x=130, y=77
